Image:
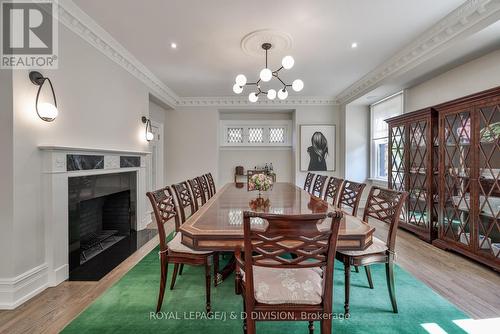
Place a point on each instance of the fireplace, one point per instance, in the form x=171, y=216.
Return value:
x=102, y=212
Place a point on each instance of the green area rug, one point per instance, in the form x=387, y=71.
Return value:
x=127, y=307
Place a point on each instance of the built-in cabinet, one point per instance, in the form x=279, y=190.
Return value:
x=448, y=159
x=413, y=168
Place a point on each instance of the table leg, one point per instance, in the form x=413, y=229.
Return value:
x=227, y=270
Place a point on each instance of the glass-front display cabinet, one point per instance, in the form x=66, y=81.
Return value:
x=469, y=166
x=413, y=142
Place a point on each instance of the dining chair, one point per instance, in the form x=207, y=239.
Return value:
x=173, y=251
x=319, y=184
x=350, y=195
x=384, y=205
x=204, y=187
x=211, y=184
x=308, y=181
x=198, y=193
x=273, y=282
x=333, y=190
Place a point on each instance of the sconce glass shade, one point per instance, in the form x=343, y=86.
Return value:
x=148, y=134
x=46, y=111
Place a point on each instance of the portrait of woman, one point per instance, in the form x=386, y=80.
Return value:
x=317, y=152
x=317, y=147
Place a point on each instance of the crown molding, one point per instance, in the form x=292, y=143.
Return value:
x=233, y=101
x=468, y=16
x=84, y=26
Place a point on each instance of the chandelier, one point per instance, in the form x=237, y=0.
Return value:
x=266, y=75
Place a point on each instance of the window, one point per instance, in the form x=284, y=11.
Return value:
x=255, y=133
x=277, y=135
x=379, y=149
x=235, y=135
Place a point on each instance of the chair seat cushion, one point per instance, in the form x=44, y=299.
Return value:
x=378, y=246
x=175, y=245
x=287, y=286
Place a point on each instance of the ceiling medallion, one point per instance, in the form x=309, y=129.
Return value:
x=266, y=75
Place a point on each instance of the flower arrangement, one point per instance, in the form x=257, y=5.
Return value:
x=260, y=182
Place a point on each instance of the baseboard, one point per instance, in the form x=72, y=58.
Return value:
x=15, y=291
x=145, y=221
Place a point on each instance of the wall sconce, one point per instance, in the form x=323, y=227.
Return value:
x=149, y=131
x=46, y=111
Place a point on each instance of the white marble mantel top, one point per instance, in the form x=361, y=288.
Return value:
x=89, y=149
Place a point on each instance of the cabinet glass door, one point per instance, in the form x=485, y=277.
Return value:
x=418, y=214
x=457, y=158
x=397, y=167
x=488, y=231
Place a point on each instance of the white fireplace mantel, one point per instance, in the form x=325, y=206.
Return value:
x=55, y=198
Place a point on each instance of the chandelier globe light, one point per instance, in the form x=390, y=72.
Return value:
x=267, y=75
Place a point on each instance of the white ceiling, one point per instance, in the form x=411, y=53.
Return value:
x=208, y=35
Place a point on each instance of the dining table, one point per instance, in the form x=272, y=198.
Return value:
x=218, y=224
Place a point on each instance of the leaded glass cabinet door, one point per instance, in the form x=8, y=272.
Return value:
x=397, y=161
x=456, y=169
x=420, y=172
x=487, y=238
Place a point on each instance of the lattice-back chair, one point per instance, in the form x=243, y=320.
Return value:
x=198, y=193
x=185, y=201
x=333, y=190
x=173, y=251
x=384, y=205
x=308, y=182
x=350, y=195
x=319, y=184
x=204, y=186
x=283, y=248
x=211, y=184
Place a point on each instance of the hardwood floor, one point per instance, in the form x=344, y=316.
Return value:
x=470, y=286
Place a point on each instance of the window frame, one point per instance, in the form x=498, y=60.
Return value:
x=247, y=124
x=374, y=141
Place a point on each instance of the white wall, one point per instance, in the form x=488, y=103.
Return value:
x=282, y=160
x=158, y=114
x=280, y=157
x=191, y=136
x=6, y=172
x=357, y=143
x=100, y=106
x=472, y=77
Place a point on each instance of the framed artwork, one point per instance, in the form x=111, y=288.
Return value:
x=317, y=148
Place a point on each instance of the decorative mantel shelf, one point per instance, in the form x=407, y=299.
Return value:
x=89, y=149
x=59, y=164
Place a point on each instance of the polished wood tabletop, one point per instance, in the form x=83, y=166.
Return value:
x=218, y=225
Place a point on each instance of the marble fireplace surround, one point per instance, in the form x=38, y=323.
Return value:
x=55, y=176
